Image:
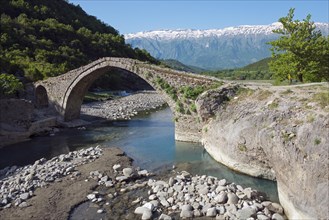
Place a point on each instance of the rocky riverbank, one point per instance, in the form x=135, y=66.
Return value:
x=17, y=184
x=99, y=183
x=125, y=107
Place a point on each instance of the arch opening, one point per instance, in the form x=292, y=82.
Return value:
x=110, y=78
x=41, y=97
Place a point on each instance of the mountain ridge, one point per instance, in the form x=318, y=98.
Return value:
x=196, y=33
x=212, y=49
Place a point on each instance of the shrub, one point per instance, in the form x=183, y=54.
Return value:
x=9, y=84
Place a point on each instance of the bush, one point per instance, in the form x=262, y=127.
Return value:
x=192, y=92
x=9, y=84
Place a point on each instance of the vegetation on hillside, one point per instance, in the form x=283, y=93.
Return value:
x=255, y=71
x=9, y=85
x=47, y=38
x=301, y=52
x=175, y=64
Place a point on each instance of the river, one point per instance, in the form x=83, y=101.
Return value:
x=147, y=138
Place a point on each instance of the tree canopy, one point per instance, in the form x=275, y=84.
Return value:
x=39, y=39
x=301, y=52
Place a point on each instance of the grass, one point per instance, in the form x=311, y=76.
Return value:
x=322, y=99
x=288, y=91
x=298, y=121
x=193, y=107
x=242, y=147
x=180, y=107
x=170, y=90
x=243, y=93
x=148, y=75
x=274, y=104
x=264, y=94
x=317, y=141
x=192, y=92
x=310, y=118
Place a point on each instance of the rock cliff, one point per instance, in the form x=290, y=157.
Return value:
x=276, y=133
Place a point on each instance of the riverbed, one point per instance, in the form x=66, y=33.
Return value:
x=147, y=138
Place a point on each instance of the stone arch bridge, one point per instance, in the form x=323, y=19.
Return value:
x=65, y=92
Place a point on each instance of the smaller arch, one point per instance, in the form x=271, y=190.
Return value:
x=41, y=97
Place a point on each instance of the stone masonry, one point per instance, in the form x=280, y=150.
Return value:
x=66, y=92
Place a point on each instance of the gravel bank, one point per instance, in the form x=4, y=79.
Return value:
x=99, y=183
x=125, y=107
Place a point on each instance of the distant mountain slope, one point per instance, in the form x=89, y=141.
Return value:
x=50, y=37
x=215, y=49
x=261, y=65
x=174, y=64
x=255, y=71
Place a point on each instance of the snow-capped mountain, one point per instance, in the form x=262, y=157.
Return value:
x=211, y=49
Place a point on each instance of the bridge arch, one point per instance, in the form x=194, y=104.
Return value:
x=66, y=91
x=41, y=97
x=74, y=95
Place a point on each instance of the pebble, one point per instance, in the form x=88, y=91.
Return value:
x=23, y=205
x=221, y=198
x=140, y=210
x=246, y=213
x=149, y=205
x=232, y=198
x=147, y=214
x=127, y=172
x=164, y=217
x=99, y=211
x=116, y=166
x=91, y=196
x=211, y=212
x=24, y=196
x=275, y=207
x=277, y=216
x=186, y=214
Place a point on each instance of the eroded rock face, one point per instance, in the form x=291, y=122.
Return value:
x=301, y=165
x=276, y=133
x=211, y=101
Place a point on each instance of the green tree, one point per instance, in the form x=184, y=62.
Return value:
x=301, y=52
x=9, y=84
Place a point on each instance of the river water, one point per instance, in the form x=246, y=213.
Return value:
x=147, y=138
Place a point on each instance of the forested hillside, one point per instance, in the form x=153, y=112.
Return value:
x=255, y=71
x=50, y=37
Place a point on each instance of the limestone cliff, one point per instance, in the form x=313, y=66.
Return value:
x=276, y=133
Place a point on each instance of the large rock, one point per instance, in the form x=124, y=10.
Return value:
x=210, y=102
x=221, y=198
x=147, y=214
x=211, y=212
x=127, y=171
x=232, y=198
x=140, y=210
x=186, y=214
x=267, y=134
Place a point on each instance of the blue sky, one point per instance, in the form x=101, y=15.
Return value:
x=134, y=16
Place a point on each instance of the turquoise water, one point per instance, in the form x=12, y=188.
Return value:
x=147, y=138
